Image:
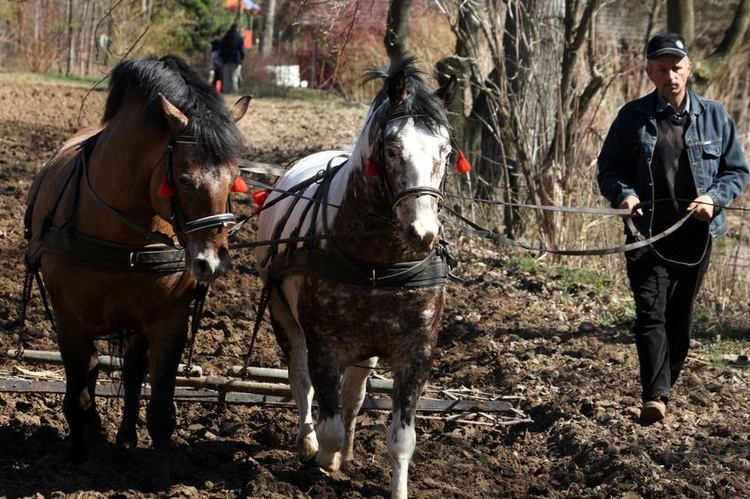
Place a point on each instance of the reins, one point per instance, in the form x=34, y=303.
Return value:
x=477, y=230
x=466, y=224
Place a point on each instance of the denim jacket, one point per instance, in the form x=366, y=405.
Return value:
x=717, y=162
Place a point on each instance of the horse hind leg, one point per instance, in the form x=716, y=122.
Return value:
x=353, y=390
x=135, y=365
x=291, y=339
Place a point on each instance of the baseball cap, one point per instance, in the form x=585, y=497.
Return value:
x=666, y=43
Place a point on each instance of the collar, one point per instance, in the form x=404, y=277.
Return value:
x=662, y=105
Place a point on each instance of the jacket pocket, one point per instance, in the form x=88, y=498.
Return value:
x=711, y=149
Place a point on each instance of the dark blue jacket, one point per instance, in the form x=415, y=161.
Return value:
x=232, y=48
x=716, y=158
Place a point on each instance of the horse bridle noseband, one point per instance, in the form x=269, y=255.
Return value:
x=418, y=190
x=222, y=220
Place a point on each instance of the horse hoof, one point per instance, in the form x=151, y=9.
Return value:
x=307, y=447
x=330, y=463
x=126, y=439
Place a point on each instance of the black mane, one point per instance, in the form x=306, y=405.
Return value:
x=421, y=99
x=210, y=121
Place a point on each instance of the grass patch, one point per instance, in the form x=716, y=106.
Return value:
x=52, y=79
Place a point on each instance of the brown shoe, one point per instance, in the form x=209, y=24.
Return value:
x=653, y=411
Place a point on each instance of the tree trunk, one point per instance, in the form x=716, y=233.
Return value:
x=268, y=18
x=706, y=70
x=681, y=19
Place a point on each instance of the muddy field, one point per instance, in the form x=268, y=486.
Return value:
x=559, y=351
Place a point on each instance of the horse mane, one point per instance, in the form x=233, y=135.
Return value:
x=421, y=98
x=210, y=121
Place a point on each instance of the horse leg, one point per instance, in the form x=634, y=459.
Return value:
x=326, y=379
x=79, y=403
x=401, y=436
x=134, y=369
x=164, y=358
x=291, y=339
x=353, y=389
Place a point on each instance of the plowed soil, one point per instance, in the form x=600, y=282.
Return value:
x=560, y=352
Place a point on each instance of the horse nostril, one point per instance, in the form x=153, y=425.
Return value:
x=201, y=268
x=419, y=240
x=428, y=241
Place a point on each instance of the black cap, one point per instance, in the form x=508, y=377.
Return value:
x=666, y=43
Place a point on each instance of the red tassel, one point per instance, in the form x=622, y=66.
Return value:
x=371, y=167
x=239, y=185
x=260, y=197
x=462, y=165
x=165, y=189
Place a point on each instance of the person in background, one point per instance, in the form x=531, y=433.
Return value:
x=214, y=61
x=232, y=52
x=669, y=154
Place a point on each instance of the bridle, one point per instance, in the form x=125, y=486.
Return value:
x=418, y=190
x=176, y=217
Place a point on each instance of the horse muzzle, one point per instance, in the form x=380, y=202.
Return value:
x=207, y=262
x=420, y=222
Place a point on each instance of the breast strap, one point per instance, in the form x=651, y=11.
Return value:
x=431, y=271
x=70, y=243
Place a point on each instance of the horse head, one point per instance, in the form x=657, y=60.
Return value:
x=188, y=141
x=197, y=187
x=410, y=148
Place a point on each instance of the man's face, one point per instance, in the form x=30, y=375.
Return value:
x=670, y=74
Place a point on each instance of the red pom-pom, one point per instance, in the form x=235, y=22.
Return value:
x=462, y=165
x=371, y=167
x=165, y=189
x=260, y=197
x=239, y=185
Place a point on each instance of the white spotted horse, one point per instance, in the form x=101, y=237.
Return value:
x=123, y=222
x=356, y=267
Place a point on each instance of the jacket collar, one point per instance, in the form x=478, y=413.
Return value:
x=649, y=104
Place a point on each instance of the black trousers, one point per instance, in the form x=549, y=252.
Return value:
x=664, y=296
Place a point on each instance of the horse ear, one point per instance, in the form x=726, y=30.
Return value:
x=240, y=107
x=397, y=90
x=178, y=122
x=448, y=91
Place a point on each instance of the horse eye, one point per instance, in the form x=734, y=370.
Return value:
x=185, y=181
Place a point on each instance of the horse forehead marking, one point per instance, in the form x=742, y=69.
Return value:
x=422, y=148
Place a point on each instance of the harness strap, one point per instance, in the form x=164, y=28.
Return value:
x=71, y=243
x=431, y=271
x=153, y=235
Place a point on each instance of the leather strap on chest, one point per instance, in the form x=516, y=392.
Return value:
x=432, y=271
x=72, y=244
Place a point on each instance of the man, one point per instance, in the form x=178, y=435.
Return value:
x=667, y=154
x=232, y=53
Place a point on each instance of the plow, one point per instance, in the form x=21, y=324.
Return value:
x=39, y=371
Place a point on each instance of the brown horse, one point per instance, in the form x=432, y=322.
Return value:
x=123, y=222
x=371, y=283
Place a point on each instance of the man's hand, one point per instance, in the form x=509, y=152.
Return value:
x=702, y=208
x=630, y=203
